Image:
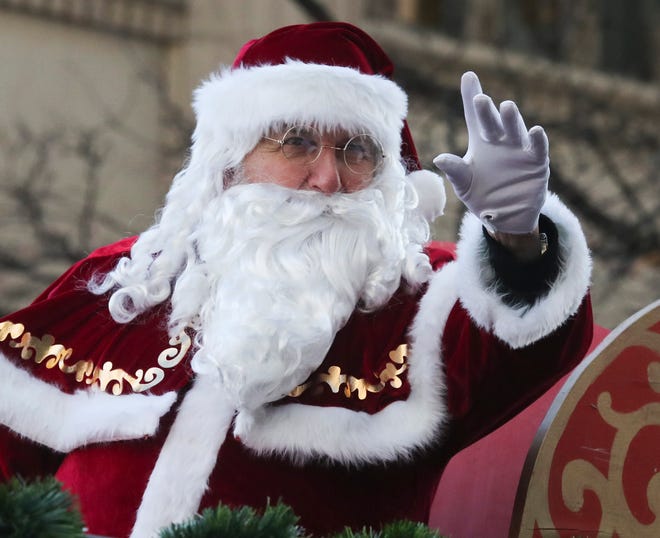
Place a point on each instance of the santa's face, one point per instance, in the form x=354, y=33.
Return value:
x=303, y=158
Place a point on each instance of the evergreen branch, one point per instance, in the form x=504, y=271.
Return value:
x=43, y=509
x=277, y=521
x=40, y=508
x=396, y=529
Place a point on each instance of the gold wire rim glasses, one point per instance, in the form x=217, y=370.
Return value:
x=362, y=153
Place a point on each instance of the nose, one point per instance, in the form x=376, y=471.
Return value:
x=324, y=173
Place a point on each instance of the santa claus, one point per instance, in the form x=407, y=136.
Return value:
x=285, y=331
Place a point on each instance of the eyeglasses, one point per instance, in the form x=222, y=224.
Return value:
x=363, y=153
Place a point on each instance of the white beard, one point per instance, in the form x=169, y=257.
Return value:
x=279, y=272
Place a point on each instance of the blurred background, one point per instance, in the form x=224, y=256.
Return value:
x=95, y=114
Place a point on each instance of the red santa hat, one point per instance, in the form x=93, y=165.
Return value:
x=328, y=74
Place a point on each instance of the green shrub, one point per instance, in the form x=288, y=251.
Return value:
x=38, y=509
x=397, y=529
x=277, y=521
x=43, y=509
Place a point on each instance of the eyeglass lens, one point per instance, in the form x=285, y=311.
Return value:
x=362, y=153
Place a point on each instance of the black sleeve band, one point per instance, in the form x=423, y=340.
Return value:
x=522, y=283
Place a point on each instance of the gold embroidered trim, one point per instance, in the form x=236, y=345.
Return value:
x=335, y=379
x=106, y=377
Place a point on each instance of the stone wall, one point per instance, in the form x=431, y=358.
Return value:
x=95, y=119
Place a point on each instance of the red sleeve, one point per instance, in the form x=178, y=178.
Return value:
x=488, y=382
x=21, y=457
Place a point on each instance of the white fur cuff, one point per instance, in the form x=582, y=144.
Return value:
x=522, y=326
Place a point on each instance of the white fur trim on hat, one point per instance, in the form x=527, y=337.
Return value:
x=431, y=193
x=236, y=107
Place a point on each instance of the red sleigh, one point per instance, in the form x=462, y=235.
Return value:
x=593, y=469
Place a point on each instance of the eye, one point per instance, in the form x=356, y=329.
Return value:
x=295, y=141
x=363, y=154
x=300, y=142
x=360, y=149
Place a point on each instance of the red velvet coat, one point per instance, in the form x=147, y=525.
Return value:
x=477, y=374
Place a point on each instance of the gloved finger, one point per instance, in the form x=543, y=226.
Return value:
x=514, y=124
x=470, y=87
x=490, y=122
x=538, y=143
x=458, y=172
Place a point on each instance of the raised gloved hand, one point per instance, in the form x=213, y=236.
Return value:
x=503, y=177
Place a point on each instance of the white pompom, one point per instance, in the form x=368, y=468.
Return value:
x=431, y=192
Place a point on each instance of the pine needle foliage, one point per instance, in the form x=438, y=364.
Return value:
x=43, y=509
x=277, y=521
x=38, y=509
x=396, y=529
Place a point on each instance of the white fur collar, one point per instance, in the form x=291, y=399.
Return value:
x=299, y=431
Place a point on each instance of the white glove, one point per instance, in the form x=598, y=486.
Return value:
x=503, y=177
